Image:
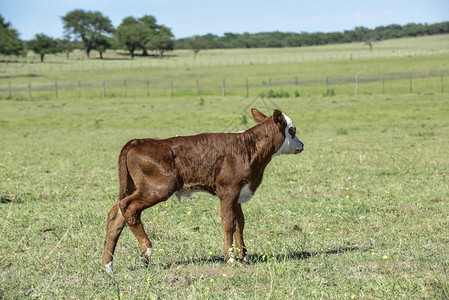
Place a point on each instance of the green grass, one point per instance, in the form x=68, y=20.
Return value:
x=361, y=213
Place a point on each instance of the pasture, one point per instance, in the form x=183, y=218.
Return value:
x=362, y=213
x=258, y=68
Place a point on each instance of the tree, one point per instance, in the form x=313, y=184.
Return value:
x=9, y=39
x=150, y=24
x=89, y=26
x=370, y=39
x=138, y=33
x=103, y=43
x=197, y=43
x=162, y=41
x=43, y=44
x=67, y=46
x=133, y=34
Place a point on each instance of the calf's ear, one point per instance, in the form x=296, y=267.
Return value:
x=257, y=115
x=278, y=117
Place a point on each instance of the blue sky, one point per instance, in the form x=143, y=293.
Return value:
x=190, y=17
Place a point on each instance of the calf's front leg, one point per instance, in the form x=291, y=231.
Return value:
x=228, y=218
x=238, y=235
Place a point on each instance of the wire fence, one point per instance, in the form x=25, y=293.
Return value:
x=183, y=59
x=391, y=83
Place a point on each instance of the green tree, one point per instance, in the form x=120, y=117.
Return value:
x=370, y=39
x=133, y=34
x=9, y=39
x=67, y=46
x=103, y=43
x=90, y=27
x=150, y=23
x=197, y=43
x=43, y=44
x=136, y=34
x=161, y=41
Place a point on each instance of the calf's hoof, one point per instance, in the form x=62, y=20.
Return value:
x=232, y=261
x=108, y=267
x=145, y=256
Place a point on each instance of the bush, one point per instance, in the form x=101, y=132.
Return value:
x=275, y=94
x=297, y=93
x=244, y=120
x=329, y=92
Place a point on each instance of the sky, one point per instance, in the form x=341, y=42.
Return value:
x=187, y=18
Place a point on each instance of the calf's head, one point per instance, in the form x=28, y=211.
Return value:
x=291, y=143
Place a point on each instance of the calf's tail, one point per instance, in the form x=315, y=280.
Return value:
x=127, y=186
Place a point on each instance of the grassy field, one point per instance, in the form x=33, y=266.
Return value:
x=259, y=66
x=362, y=213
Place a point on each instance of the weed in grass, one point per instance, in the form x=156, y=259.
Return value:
x=329, y=93
x=342, y=131
x=275, y=94
x=297, y=93
x=244, y=120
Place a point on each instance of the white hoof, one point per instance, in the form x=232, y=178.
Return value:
x=233, y=261
x=149, y=252
x=108, y=267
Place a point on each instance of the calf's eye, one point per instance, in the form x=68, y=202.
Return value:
x=292, y=131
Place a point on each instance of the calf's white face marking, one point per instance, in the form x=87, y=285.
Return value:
x=291, y=145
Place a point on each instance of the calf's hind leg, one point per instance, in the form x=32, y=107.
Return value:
x=132, y=207
x=115, y=225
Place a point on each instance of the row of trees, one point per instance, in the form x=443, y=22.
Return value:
x=95, y=31
x=89, y=31
x=291, y=39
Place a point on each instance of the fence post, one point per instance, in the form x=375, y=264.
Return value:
x=148, y=88
x=410, y=89
x=223, y=88
x=269, y=83
x=56, y=89
x=79, y=88
x=29, y=90
x=10, y=94
x=442, y=85
x=171, y=88
x=103, y=89
x=327, y=85
x=383, y=86
x=247, y=88
x=356, y=84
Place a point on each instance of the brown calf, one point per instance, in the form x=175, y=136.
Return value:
x=228, y=165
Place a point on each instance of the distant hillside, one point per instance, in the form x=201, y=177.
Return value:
x=292, y=39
